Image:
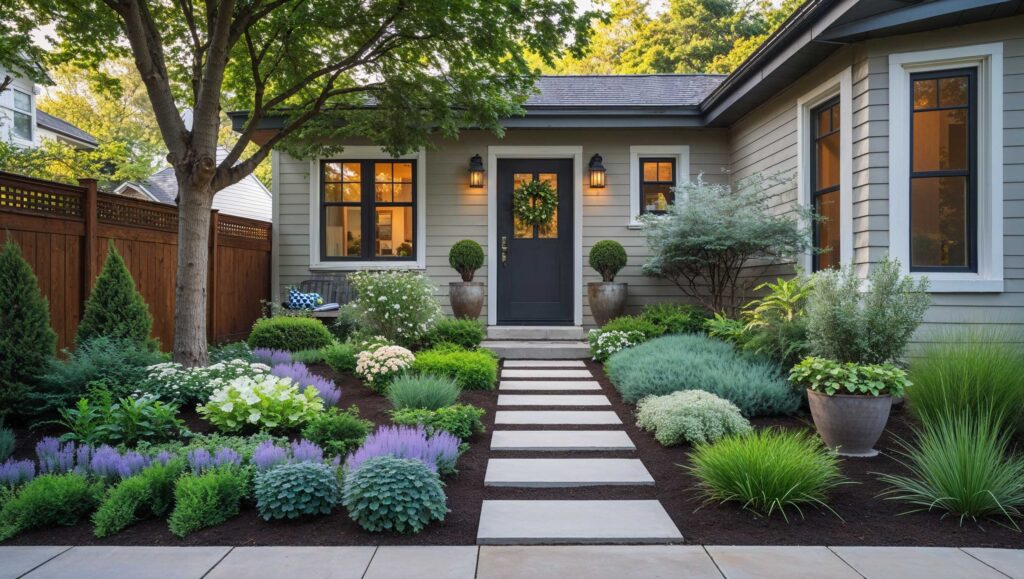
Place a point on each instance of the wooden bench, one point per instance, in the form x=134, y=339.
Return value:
x=331, y=289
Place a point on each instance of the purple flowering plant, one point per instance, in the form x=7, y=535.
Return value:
x=16, y=472
x=439, y=452
x=271, y=357
x=298, y=372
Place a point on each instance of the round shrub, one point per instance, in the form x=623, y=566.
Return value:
x=607, y=257
x=477, y=370
x=461, y=420
x=464, y=333
x=289, y=333
x=466, y=257
x=340, y=357
x=676, y=318
x=649, y=329
x=692, y=416
x=394, y=494
x=693, y=362
x=289, y=491
x=398, y=305
x=423, y=391
x=379, y=367
x=338, y=432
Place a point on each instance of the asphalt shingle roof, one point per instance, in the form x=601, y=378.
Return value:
x=639, y=90
x=59, y=125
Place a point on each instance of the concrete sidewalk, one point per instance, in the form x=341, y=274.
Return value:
x=591, y=562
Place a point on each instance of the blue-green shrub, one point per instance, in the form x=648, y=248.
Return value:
x=394, y=494
x=289, y=491
x=693, y=362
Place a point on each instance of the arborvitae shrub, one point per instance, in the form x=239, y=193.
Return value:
x=115, y=308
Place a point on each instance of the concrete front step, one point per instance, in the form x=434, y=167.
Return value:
x=538, y=350
x=566, y=472
x=563, y=417
x=553, y=400
x=578, y=522
x=535, y=333
x=544, y=364
x=564, y=385
x=561, y=440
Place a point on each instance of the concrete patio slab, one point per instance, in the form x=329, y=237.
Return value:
x=436, y=562
x=544, y=364
x=575, y=522
x=553, y=400
x=915, y=563
x=517, y=373
x=565, y=472
x=590, y=417
x=561, y=440
x=1007, y=561
x=549, y=385
x=305, y=562
x=136, y=562
x=16, y=561
x=596, y=562
x=758, y=562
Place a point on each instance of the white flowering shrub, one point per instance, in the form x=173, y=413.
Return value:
x=378, y=368
x=171, y=382
x=604, y=344
x=264, y=402
x=398, y=305
x=692, y=416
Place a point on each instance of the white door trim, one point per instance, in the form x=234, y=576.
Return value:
x=534, y=152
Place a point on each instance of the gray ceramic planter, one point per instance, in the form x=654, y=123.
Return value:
x=467, y=298
x=607, y=300
x=850, y=424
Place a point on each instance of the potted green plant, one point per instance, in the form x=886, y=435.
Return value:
x=466, y=296
x=849, y=402
x=607, y=297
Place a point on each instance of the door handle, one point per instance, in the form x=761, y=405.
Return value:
x=504, y=250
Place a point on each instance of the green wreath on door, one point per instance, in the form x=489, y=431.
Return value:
x=534, y=203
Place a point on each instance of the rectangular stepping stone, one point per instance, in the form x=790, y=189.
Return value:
x=779, y=562
x=556, y=417
x=552, y=522
x=544, y=364
x=1007, y=561
x=565, y=472
x=915, y=563
x=549, y=385
x=553, y=400
x=542, y=373
x=595, y=562
x=565, y=440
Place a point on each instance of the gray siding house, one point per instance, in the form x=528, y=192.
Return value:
x=903, y=122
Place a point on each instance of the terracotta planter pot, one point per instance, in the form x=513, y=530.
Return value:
x=607, y=300
x=467, y=298
x=850, y=424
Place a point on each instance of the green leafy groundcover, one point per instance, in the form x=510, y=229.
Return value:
x=693, y=362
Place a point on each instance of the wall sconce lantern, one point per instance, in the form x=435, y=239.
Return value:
x=596, y=172
x=476, y=172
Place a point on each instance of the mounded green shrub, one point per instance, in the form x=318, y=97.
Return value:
x=149, y=494
x=207, y=500
x=26, y=339
x=689, y=416
x=422, y=391
x=341, y=357
x=394, y=494
x=115, y=308
x=338, y=432
x=49, y=500
x=607, y=257
x=466, y=257
x=290, y=491
x=464, y=333
x=461, y=420
x=692, y=362
x=676, y=318
x=649, y=329
x=289, y=333
x=476, y=370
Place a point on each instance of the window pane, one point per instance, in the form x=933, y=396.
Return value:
x=332, y=172
x=382, y=172
x=656, y=198
x=383, y=192
x=940, y=140
x=351, y=193
x=332, y=192
x=22, y=102
x=650, y=171
x=835, y=117
x=403, y=192
x=352, y=172
x=23, y=126
x=550, y=231
x=393, y=232
x=343, y=232
x=824, y=126
x=827, y=161
x=953, y=91
x=403, y=172
x=924, y=94
x=520, y=229
x=665, y=172
x=827, y=206
x=938, y=222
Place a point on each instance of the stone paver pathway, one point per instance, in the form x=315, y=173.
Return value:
x=561, y=440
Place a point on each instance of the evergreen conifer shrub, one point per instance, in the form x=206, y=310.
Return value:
x=115, y=308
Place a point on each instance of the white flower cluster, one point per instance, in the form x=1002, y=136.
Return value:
x=380, y=366
x=266, y=401
x=172, y=382
x=604, y=344
x=398, y=305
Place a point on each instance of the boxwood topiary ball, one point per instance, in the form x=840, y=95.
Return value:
x=466, y=257
x=607, y=257
x=289, y=491
x=394, y=494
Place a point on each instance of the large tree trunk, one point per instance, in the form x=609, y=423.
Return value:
x=193, y=265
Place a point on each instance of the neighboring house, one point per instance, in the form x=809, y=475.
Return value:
x=247, y=198
x=903, y=122
x=21, y=123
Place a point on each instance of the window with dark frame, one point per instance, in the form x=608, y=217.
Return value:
x=368, y=210
x=943, y=171
x=657, y=181
x=825, y=184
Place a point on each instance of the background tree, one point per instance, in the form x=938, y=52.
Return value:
x=393, y=71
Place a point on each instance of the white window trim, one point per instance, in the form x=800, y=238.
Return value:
x=32, y=128
x=842, y=85
x=368, y=152
x=988, y=58
x=534, y=152
x=681, y=153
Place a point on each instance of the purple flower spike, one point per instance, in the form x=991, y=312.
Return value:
x=225, y=457
x=54, y=457
x=306, y=451
x=106, y=463
x=162, y=458
x=199, y=460
x=301, y=375
x=16, y=472
x=438, y=452
x=83, y=458
x=132, y=463
x=271, y=357
x=267, y=455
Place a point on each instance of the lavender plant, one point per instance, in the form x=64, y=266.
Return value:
x=439, y=452
x=55, y=457
x=271, y=357
x=16, y=472
x=268, y=455
x=299, y=373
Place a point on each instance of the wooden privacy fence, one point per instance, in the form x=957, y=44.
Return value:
x=63, y=231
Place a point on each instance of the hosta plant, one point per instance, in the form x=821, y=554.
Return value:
x=264, y=402
x=831, y=377
x=379, y=367
x=289, y=491
x=394, y=494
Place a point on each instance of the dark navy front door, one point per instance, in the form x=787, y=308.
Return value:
x=535, y=262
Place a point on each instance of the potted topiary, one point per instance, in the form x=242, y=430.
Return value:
x=849, y=402
x=467, y=296
x=607, y=298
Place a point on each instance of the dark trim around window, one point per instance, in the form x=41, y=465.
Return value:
x=816, y=192
x=671, y=183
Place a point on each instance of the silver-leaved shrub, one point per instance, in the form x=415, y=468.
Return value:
x=689, y=416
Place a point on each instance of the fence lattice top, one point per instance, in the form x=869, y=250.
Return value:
x=24, y=194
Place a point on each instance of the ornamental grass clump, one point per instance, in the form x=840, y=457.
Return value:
x=399, y=305
x=263, y=402
x=394, y=494
x=290, y=491
x=767, y=471
x=379, y=367
x=689, y=416
x=438, y=451
x=423, y=391
x=693, y=362
x=961, y=463
x=301, y=375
